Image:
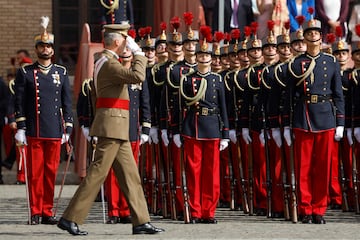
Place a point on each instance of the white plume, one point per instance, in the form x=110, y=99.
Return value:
x=44, y=21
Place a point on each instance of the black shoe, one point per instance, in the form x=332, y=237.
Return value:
x=49, y=220
x=124, y=220
x=335, y=206
x=7, y=165
x=307, y=219
x=19, y=183
x=261, y=212
x=195, y=220
x=277, y=215
x=209, y=221
x=71, y=227
x=318, y=219
x=113, y=220
x=147, y=228
x=35, y=220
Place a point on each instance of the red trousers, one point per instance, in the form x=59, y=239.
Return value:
x=43, y=158
x=313, y=152
x=259, y=172
x=117, y=204
x=335, y=194
x=202, y=176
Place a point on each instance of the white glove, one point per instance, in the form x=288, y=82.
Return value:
x=276, y=135
x=132, y=45
x=65, y=138
x=224, y=143
x=349, y=136
x=164, y=137
x=357, y=134
x=85, y=131
x=287, y=136
x=232, y=135
x=246, y=135
x=20, y=137
x=144, y=138
x=177, y=140
x=153, y=135
x=339, y=133
x=6, y=120
x=261, y=137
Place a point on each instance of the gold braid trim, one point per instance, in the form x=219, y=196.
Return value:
x=236, y=82
x=262, y=78
x=354, y=75
x=112, y=7
x=11, y=86
x=154, y=69
x=198, y=96
x=278, y=68
x=307, y=73
x=86, y=86
x=248, y=76
x=226, y=77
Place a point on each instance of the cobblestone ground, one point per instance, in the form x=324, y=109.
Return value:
x=231, y=225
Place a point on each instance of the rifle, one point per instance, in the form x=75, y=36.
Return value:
x=294, y=217
x=170, y=189
x=182, y=169
x=142, y=170
x=267, y=157
x=345, y=204
x=152, y=181
x=251, y=172
x=241, y=172
x=232, y=179
x=284, y=179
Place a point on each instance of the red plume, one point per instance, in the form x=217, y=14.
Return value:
x=330, y=38
x=132, y=33
x=300, y=19
x=270, y=25
x=254, y=27
x=209, y=37
x=175, y=22
x=163, y=26
x=227, y=37
x=287, y=25
x=311, y=10
x=235, y=34
x=188, y=18
x=357, y=29
x=218, y=36
x=247, y=31
x=142, y=32
x=338, y=31
x=148, y=30
x=205, y=31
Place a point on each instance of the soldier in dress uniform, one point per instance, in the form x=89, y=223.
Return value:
x=341, y=51
x=216, y=62
x=227, y=177
x=205, y=131
x=355, y=78
x=139, y=127
x=43, y=113
x=315, y=90
x=251, y=119
x=176, y=70
x=111, y=126
x=116, y=11
x=297, y=44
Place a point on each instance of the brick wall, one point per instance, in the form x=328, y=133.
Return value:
x=19, y=23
